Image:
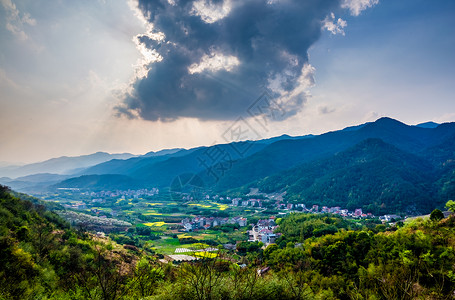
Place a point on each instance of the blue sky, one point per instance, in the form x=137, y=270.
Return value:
x=78, y=77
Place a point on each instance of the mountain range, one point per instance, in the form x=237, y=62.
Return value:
x=61, y=165
x=381, y=166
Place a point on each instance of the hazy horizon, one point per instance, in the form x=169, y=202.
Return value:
x=125, y=77
x=6, y=163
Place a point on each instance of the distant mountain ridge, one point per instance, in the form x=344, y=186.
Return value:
x=428, y=125
x=61, y=165
x=288, y=153
x=162, y=152
x=372, y=175
x=410, y=163
x=101, y=182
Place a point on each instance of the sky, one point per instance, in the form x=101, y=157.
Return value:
x=77, y=77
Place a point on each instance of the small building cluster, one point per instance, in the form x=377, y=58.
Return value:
x=389, y=218
x=357, y=213
x=123, y=194
x=263, y=232
x=78, y=205
x=208, y=222
x=92, y=222
x=249, y=202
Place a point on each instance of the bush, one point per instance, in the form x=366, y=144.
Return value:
x=436, y=215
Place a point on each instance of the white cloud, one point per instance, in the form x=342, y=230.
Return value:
x=8, y=5
x=16, y=31
x=15, y=22
x=292, y=100
x=149, y=56
x=357, y=6
x=27, y=19
x=134, y=6
x=214, y=62
x=334, y=26
x=306, y=79
x=209, y=11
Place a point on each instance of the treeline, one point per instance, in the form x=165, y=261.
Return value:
x=317, y=257
x=296, y=228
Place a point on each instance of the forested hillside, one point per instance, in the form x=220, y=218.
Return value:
x=41, y=257
x=382, y=167
x=316, y=257
x=372, y=175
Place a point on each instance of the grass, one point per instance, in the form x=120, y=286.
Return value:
x=165, y=245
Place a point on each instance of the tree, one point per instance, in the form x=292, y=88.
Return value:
x=436, y=215
x=146, y=277
x=451, y=205
x=201, y=279
x=270, y=248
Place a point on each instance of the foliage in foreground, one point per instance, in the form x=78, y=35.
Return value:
x=321, y=258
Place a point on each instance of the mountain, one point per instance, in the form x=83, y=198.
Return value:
x=428, y=125
x=100, y=182
x=128, y=166
x=62, y=165
x=234, y=165
x=43, y=177
x=162, y=152
x=4, y=164
x=33, y=183
x=372, y=175
x=286, y=154
x=160, y=170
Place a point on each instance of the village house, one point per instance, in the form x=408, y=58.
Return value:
x=263, y=232
x=208, y=222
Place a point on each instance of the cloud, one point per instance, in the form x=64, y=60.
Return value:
x=211, y=11
x=334, y=26
x=214, y=62
x=209, y=59
x=357, y=6
x=324, y=110
x=15, y=21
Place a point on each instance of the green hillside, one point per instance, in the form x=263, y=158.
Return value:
x=316, y=257
x=372, y=175
x=41, y=257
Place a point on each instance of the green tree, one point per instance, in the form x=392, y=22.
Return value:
x=270, y=248
x=436, y=215
x=451, y=205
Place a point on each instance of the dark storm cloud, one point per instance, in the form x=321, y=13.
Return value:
x=261, y=45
